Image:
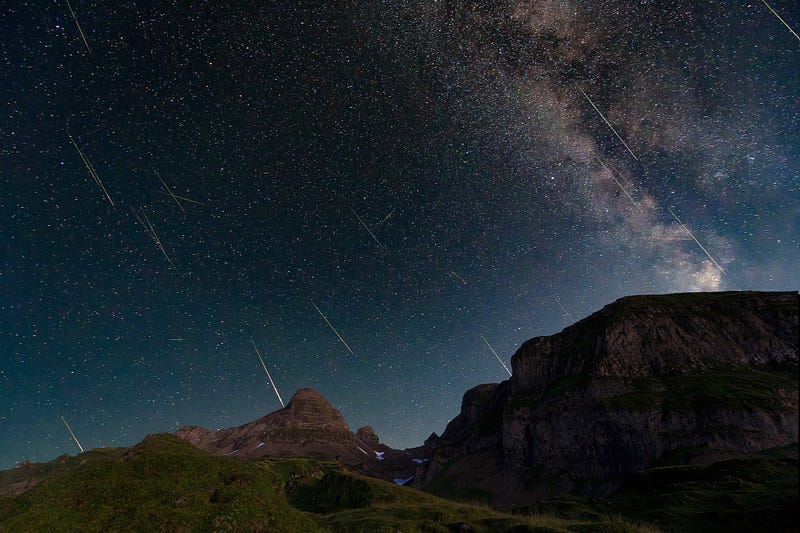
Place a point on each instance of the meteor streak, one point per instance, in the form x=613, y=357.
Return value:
x=169, y=191
x=71, y=433
x=613, y=177
x=366, y=227
x=268, y=375
x=607, y=122
x=781, y=19
x=695, y=240
x=386, y=217
x=564, y=309
x=151, y=231
x=90, y=168
x=179, y=197
x=331, y=326
x=495, y=354
x=71, y=12
x=459, y=278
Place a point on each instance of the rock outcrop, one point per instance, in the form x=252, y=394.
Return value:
x=309, y=426
x=621, y=389
x=367, y=434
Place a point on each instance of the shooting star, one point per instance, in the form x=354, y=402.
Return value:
x=177, y=201
x=564, y=309
x=268, y=375
x=151, y=231
x=179, y=197
x=366, y=227
x=459, y=278
x=85, y=42
x=781, y=19
x=90, y=168
x=386, y=218
x=495, y=354
x=607, y=122
x=614, y=177
x=71, y=433
x=695, y=240
x=333, y=328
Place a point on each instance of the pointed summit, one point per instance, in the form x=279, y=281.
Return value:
x=309, y=409
x=308, y=426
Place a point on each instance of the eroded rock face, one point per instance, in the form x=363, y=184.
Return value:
x=309, y=426
x=367, y=434
x=666, y=334
x=309, y=409
x=642, y=377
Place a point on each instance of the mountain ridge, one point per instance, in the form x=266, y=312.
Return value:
x=611, y=394
x=643, y=378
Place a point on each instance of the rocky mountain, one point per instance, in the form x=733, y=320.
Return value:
x=309, y=426
x=705, y=376
x=666, y=407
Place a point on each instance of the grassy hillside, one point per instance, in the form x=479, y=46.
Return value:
x=749, y=493
x=165, y=484
x=162, y=484
x=768, y=388
x=344, y=501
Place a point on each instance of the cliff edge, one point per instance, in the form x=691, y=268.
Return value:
x=613, y=394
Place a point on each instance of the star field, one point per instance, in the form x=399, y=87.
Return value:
x=424, y=173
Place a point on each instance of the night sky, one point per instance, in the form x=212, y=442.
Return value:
x=424, y=172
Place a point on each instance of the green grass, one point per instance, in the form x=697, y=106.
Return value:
x=445, y=487
x=744, y=388
x=64, y=463
x=644, y=306
x=559, y=386
x=165, y=484
x=743, y=494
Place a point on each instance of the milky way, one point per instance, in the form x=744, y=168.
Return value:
x=370, y=193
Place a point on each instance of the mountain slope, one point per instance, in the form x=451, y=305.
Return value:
x=165, y=484
x=161, y=484
x=613, y=393
x=308, y=426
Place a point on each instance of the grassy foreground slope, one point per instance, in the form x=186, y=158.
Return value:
x=344, y=501
x=161, y=484
x=751, y=492
x=165, y=484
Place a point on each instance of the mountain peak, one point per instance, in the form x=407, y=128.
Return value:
x=309, y=408
x=307, y=393
x=309, y=425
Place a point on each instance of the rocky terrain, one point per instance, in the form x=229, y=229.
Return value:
x=676, y=410
x=613, y=394
x=309, y=426
x=641, y=379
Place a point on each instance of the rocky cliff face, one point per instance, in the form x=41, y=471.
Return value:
x=619, y=390
x=308, y=426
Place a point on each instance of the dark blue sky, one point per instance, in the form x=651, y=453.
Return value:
x=495, y=199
